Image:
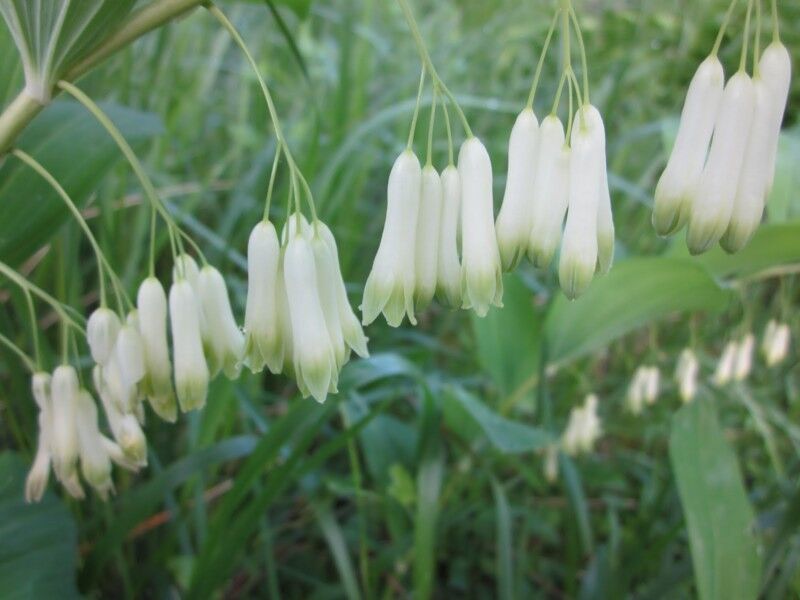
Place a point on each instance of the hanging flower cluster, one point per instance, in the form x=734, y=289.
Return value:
x=722, y=166
x=555, y=176
x=583, y=429
x=643, y=389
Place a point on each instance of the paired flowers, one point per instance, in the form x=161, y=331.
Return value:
x=722, y=166
x=583, y=428
x=643, y=389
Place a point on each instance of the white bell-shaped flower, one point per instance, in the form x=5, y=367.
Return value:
x=775, y=68
x=224, y=341
x=725, y=366
x=327, y=291
x=125, y=396
x=583, y=429
x=390, y=285
x=686, y=375
x=285, y=322
x=124, y=426
x=754, y=179
x=129, y=352
x=151, y=303
x=262, y=334
x=634, y=397
x=64, y=447
x=351, y=327
x=551, y=463
x=551, y=193
x=744, y=357
x=95, y=462
x=101, y=333
x=652, y=385
x=481, y=272
x=36, y=482
x=776, y=342
x=514, y=219
x=677, y=188
x=448, y=273
x=579, y=248
x=716, y=192
x=185, y=267
x=191, y=370
x=605, y=217
x=314, y=360
x=427, y=237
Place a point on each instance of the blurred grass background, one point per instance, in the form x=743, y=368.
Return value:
x=423, y=477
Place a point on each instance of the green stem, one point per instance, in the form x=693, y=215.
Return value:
x=559, y=91
x=745, y=44
x=723, y=28
x=584, y=63
x=432, y=122
x=428, y=63
x=271, y=186
x=540, y=64
x=102, y=263
x=27, y=361
x=776, y=29
x=449, y=135
x=413, y=130
x=153, y=218
x=16, y=117
x=757, y=48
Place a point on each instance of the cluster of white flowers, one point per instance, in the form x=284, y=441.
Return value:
x=776, y=342
x=722, y=167
x=583, y=428
x=686, y=374
x=643, y=388
x=736, y=361
x=298, y=319
x=550, y=177
x=418, y=256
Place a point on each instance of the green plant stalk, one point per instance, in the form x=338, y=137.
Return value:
x=26, y=360
x=22, y=110
x=540, y=64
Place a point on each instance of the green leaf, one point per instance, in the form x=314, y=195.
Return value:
x=508, y=338
x=719, y=517
x=38, y=552
x=77, y=151
x=784, y=201
x=504, y=434
x=636, y=292
x=429, y=486
x=337, y=544
x=505, y=553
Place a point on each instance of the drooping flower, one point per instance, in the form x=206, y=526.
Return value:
x=263, y=344
x=725, y=366
x=223, y=341
x=514, y=219
x=191, y=370
x=606, y=235
x=95, y=461
x=427, y=237
x=643, y=388
x=551, y=193
x=390, y=285
x=775, y=68
x=551, y=463
x=101, y=333
x=652, y=385
x=151, y=303
x=583, y=429
x=481, y=272
x=677, y=188
x=36, y=482
x=686, y=375
x=775, y=344
x=326, y=289
x=716, y=191
x=124, y=426
x=64, y=447
x=313, y=356
x=744, y=357
x=448, y=274
x=579, y=248
x=129, y=352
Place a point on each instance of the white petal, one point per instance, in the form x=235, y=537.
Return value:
x=775, y=68
x=448, y=274
x=427, y=237
x=191, y=371
x=262, y=335
x=101, y=333
x=64, y=441
x=151, y=303
x=224, y=341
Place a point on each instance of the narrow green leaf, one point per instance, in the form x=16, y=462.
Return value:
x=636, y=292
x=338, y=547
x=429, y=486
x=719, y=517
x=505, y=554
x=577, y=499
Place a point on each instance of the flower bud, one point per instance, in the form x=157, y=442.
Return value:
x=427, y=238
x=744, y=358
x=651, y=385
x=579, y=253
x=551, y=463
x=481, y=273
x=64, y=446
x=191, y=371
x=448, y=274
x=95, y=462
x=40, y=386
x=754, y=179
x=224, y=341
x=716, y=192
x=724, y=372
x=262, y=334
x=775, y=345
x=676, y=189
x=390, y=285
x=314, y=361
x=129, y=352
x=151, y=302
x=775, y=68
x=351, y=326
x=101, y=333
x=551, y=193
x=686, y=375
x=514, y=220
